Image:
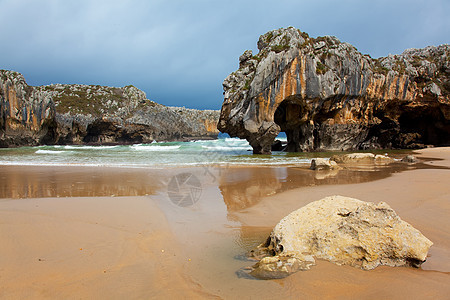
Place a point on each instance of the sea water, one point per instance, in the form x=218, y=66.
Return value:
x=221, y=152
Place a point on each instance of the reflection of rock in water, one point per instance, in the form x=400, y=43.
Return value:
x=250, y=237
x=323, y=174
x=37, y=182
x=244, y=187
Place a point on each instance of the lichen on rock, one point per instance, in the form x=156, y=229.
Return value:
x=344, y=231
x=326, y=95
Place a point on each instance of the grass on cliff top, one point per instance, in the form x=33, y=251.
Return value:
x=86, y=103
x=283, y=45
x=75, y=104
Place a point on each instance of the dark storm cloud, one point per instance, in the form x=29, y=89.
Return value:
x=179, y=52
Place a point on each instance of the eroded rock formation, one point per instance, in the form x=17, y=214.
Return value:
x=344, y=231
x=328, y=96
x=27, y=117
x=88, y=114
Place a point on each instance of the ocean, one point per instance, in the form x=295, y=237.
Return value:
x=220, y=152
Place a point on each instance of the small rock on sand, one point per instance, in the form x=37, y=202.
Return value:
x=383, y=159
x=409, y=159
x=323, y=164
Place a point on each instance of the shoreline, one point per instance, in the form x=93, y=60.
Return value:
x=148, y=247
x=37, y=181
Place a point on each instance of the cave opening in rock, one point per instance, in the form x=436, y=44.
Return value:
x=427, y=127
x=288, y=116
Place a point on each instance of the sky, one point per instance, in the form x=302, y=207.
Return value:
x=179, y=52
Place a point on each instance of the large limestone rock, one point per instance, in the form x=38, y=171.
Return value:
x=27, y=117
x=93, y=114
x=344, y=231
x=326, y=95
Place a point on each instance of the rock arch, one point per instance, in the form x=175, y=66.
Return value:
x=328, y=96
x=289, y=115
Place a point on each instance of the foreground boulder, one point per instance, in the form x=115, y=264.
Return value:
x=326, y=95
x=344, y=231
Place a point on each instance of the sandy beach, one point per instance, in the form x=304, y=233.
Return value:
x=96, y=233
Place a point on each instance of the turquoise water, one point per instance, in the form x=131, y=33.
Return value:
x=223, y=151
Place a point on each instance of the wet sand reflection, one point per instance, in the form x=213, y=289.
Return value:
x=39, y=182
x=245, y=187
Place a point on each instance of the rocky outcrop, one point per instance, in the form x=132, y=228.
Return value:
x=344, y=231
x=92, y=114
x=328, y=96
x=361, y=158
x=323, y=164
x=354, y=158
x=27, y=117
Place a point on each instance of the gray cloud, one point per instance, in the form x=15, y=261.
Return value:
x=179, y=52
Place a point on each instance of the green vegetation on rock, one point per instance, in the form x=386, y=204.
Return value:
x=321, y=68
x=378, y=68
x=283, y=45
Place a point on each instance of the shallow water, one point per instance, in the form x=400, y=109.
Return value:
x=239, y=186
x=219, y=152
x=224, y=151
x=150, y=247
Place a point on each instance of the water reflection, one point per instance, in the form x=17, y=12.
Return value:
x=243, y=188
x=37, y=182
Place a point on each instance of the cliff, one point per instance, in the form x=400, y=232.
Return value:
x=328, y=96
x=92, y=114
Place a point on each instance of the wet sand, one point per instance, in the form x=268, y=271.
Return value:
x=61, y=237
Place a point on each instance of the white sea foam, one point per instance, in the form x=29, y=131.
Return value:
x=153, y=147
x=227, y=148
x=75, y=147
x=221, y=152
x=44, y=151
